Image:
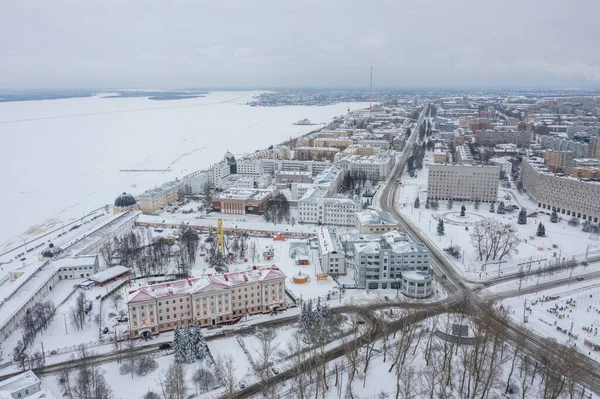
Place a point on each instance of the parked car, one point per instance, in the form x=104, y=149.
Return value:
x=105, y=330
x=164, y=345
x=122, y=319
x=53, y=352
x=387, y=298
x=580, y=278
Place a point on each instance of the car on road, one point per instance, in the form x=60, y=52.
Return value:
x=105, y=330
x=360, y=321
x=53, y=352
x=387, y=298
x=580, y=278
x=242, y=384
x=275, y=370
x=164, y=345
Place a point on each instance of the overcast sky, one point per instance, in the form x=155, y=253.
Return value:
x=303, y=43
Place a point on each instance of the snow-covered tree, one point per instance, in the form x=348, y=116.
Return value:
x=492, y=240
x=586, y=226
x=463, y=209
x=450, y=203
x=541, y=230
x=189, y=355
x=492, y=209
x=477, y=205
x=417, y=202
x=440, y=227
x=200, y=348
x=554, y=217
x=501, y=209
x=427, y=203
x=305, y=321
x=522, y=216
x=179, y=345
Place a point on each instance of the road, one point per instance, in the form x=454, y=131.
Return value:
x=465, y=292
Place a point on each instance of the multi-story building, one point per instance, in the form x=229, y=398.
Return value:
x=586, y=173
x=374, y=167
x=393, y=262
x=196, y=182
x=565, y=194
x=493, y=137
x=285, y=176
x=594, y=148
x=463, y=155
x=314, y=207
x=271, y=166
x=440, y=156
x=558, y=161
x=337, y=142
x=463, y=182
x=241, y=201
x=331, y=255
x=156, y=199
x=504, y=164
x=205, y=300
x=315, y=153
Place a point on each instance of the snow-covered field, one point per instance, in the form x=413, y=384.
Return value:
x=574, y=309
x=69, y=152
x=561, y=241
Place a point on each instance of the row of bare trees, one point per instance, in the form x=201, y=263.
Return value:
x=493, y=240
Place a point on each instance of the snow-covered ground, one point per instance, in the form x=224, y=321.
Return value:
x=575, y=309
x=561, y=241
x=70, y=151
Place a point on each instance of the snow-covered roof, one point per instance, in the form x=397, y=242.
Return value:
x=19, y=382
x=109, y=274
x=374, y=217
x=196, y=284
x=43, y=394
x=327, y=243
x=85, y=260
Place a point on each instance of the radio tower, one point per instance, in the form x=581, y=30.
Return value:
x=371, y=94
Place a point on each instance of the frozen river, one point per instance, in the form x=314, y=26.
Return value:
x=62, y=158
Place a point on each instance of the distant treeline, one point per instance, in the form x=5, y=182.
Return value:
x=160, y=95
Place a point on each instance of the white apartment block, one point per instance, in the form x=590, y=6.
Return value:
x=195, y=182
x=205, y=300
x=376, y=167
x=504, y=164
x=463, y=182
x=156, y=199
x=331, y=255
x=567, y=195
x=271, y=166
x=314, y=207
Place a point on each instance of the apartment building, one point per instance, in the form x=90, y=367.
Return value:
x=205, y=300
x=271, y=166
x=195, y=183
x=376, y=167
x=493, y=137
x=156, y=199
x=566, y=194
x=440, y=156
x=594, y=148
x=332, y=257
x=504, y=164
x=315, y=153
x=314, y=207
x=463, y=155
x=463, y=182
x=558, y=161
x=586, y=173
x=285, y=176
x=393, y=262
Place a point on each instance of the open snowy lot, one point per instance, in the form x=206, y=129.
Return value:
x=562, y=241
x=73, y=150
x=569, y=314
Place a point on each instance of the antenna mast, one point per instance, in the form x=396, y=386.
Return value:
x=371, y=94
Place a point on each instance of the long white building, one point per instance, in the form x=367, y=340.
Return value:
x=463, y=182
x=376, y=167
x=315, y=207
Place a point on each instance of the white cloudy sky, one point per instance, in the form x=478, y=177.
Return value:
x=310, y=43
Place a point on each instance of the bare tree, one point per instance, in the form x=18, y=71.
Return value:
x=116, y=298
x=77, y=312
x=172, y=383
x=86, y=382
x=107, y=254
x=266, y=349
x=203, y=379
x=492, y=240
x=225, y=368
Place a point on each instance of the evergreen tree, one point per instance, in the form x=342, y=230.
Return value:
x=554, y=217
x=492, y=210
x=522, y=216
x=501, y=209
x=440, y=227
x=541, y=231
x=417, y=204
x=450, y=203
x=435, y=205
x=463, y=208
x=586, y=227
x=189, y=353
x=306, y=318
x=178, y=346
x=477, y=205
x=200, y=348
x=317, y=318
x=427, y=203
